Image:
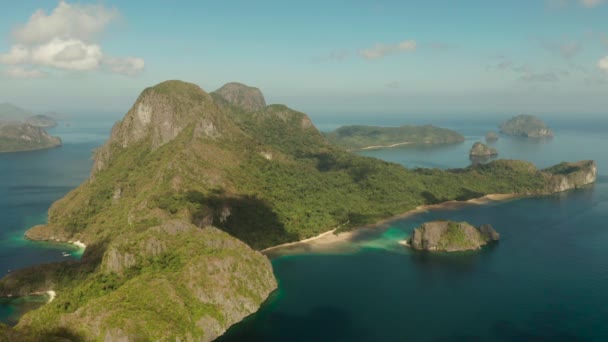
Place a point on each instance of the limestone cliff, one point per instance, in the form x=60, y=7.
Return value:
x=448, y=236
x=566, y=176
x=239, y=95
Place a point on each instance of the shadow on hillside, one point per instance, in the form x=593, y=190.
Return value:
x=247, y=218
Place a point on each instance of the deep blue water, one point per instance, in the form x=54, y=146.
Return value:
x=29, y=183
x=547, y=279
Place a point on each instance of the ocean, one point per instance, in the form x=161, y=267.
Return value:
x=547, y=279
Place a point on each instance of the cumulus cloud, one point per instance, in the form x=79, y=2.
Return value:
x=603, y=64
x=65, y=39
x=381, y=50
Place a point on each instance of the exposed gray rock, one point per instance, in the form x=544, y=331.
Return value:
x=482, y=150
x=239, y=95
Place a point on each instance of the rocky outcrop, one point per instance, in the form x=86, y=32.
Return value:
x=491, y=136
x=482, y=150
x=567, y=176
x=526, y=126
x=448, y=236
x=239, y=95
x=18, y=137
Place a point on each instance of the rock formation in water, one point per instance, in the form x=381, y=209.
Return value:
x=566, y=176
x=16, y=137
x=482, y=150
x=449, y=236
x=526, y=126
x=491, y=137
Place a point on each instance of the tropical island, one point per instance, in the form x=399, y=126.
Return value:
x=18, y=137
x=450, y=236
x=373, y=137
x=187, y=190
x=480, y=149
x=20, y=130
x=526, y=126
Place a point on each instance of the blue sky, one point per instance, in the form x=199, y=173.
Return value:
x=321, y=57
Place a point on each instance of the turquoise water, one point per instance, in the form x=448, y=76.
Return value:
x=547, y=279
x=30, y=182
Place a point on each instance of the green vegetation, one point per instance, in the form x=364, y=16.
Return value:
x=363, y=137
x=43, y=121
x=526, y=126
x=182, y=161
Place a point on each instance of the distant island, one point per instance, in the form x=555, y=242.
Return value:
x=192, y=185
x=491, y=137
x=526, y=126
x=20, y=137
x=43, y=121
x=20, y=130
x=372, y=137
x=450, y=236
x=482, y=150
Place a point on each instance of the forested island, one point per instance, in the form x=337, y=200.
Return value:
x=371, y=137
x=526, y=126
x=20, y=130
x=19, y=137
x=450, y=236
x=190, y=185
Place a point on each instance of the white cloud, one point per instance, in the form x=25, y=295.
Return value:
x=65, y=21
x=603, y=64
x=20, y=72
x=67, y=54
x=17, y=55
x=591, y=3
x=64, y=39
x=127, y=66
x=381, y=50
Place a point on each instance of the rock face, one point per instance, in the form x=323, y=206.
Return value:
x=239, y=95
x=566, y=176
x=448, y=236
x=526, y=126
x=25, y=137
x=482, y=150
x=491, y=136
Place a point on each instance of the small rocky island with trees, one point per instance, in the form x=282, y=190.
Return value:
x=526, y=126
x=20, y=130
x=450, y=236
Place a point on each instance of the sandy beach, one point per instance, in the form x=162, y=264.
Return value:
x=386, y=146
x=329, y=239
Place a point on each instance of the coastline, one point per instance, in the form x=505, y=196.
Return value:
x=330, y=238
x=374, y=147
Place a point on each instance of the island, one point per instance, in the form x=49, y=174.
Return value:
x=187, y=191
x=373, y=137
x=526, y=126
x=43, y=121
x=482, y=150
x=19, y=137
x=491, y=137
x=450, y=236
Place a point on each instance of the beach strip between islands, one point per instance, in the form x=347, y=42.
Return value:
x=330, y=237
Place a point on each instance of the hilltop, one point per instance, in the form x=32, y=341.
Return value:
x=187, y=174
x=368, y=137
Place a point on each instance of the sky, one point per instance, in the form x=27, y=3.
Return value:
x=475, y=57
